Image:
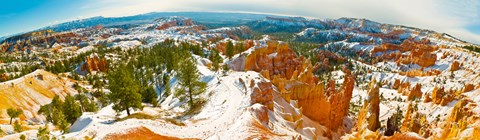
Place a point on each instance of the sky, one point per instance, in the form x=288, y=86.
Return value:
x=460, y=18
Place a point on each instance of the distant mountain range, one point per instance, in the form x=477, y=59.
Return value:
x=210, y=18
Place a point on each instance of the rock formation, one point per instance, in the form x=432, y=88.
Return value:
x=392, y=125
x=455, y=66
x=456, y=122
x=416, y=72
x=468, y=87
x=94, y=63
x=415, y=92
x=175, y=22
x=396, y=84
x=440, y=96
x=294, y=79
x=420, y=52
x=262, y=93
x=374, y=104
x=414, y=122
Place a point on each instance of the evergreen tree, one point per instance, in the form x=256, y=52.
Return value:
x=239, y=47
x=216, y=59
x=43, y=133
x=13, y=113
x=230, y=50
x=72, y=109
x=124, y=91
x=61, y=122
x=17, y=127
x=189, y=79
x=166, y=85
x=149, y=95
x=86, y=104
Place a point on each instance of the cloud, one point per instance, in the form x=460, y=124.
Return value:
x=449, y=16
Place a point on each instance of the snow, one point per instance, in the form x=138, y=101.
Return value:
x=228, y=113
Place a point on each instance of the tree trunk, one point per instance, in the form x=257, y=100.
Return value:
x=191, y=99
x=128, y=111
x=11, y=120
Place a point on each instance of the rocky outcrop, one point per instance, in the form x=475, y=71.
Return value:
x=294, y=79
x=94, y=63
x=455, y=66
x=415, y=122
x=31, y=91
x=415, y=92
x=392, y=125
x=416, y=72
x=420, y=52
x=221, y=46
x=262, y=93
x=459, y=111
x=373, y=102
x=456, y=122
x=403, y=88
x=468, y=87
x=277, y=58
x=440, y=96
x=173, y=21
x=396, y=84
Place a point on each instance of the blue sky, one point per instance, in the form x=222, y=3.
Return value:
x=460, y=18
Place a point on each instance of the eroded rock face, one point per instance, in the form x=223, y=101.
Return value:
x=440, y=96
x=403, y=88
x=456, y=122
x=459, y=111
x=415, y=122
x=374, y=105
x=277, y=58
x=175, y=22
x=262, y=93
x=416, y=72
x=415, y=92
x=94, y=63
x=294, y=79
x=420, y=52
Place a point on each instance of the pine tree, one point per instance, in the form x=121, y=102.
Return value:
x=43, y=133
x=239, y=47
x=166, y=85
x=17, y=127
x=124, y=91
x=216, y=59
x=189, y=79
x=230, y=50
x=72, y=109
x=86, y=104
x=61, y=122
x=149, y=95
x=13, y=113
